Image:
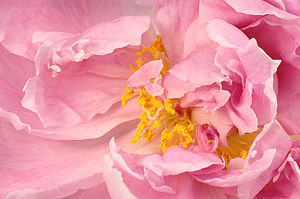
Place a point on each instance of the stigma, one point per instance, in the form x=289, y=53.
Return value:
x=207, y=137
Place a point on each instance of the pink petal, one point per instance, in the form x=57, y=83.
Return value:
x=161, y=170
x=226, y=34
x=209, y=10
x=143, y=76
x=14, y=72
x=288, y=98
x=286, y=183
x=265, y=156
x=286, y=33
x=292, y=6
x=251, y=56
x=178, y=160
x=172, y=19
x=60, y=16
x=74, y=96
x=240, y=111
x=210, y=97
x=39, y=168
x=122, y=185
x=196, y=70
x=264, y=96
x=272, y=136
x=92, y=193
x=258, y=7
x=99, y=126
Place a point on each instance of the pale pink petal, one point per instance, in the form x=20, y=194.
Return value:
x=161, y=170
x=210, y=97
x=179, y=160
x=287, y=37
x=226, y=34
x=144, y=75
x=287, y=182
x=61, y=16
x=209, y=10
x=32, y=167
x=259, y=7
x=92, y=193
x=122, y=185
x=239, y=108
x=229, y=178
x=286, y=33
x=292, y=6
x=236, y=62
x=272, y=137
x=196, y=70
x=101, y=124
x=264, y=96
x=172, y=19
x=288, y=98
x=101, y=39
x=14, y=72
x=266, y=154
x=74, y=96
x=251, y=56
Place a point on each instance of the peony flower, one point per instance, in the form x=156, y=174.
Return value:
x=143, y=99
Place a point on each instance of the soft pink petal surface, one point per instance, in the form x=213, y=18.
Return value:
x=172, y=19
x=60, y=16
x=156, y=176
x=265, y=156
x=47, y=169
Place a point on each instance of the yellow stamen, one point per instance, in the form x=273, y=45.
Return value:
x=168, y=107
x=238, y=146
x=129, y=93
x=177, y=130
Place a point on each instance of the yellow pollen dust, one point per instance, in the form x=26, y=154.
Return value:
x=238, y=146
x=158, y=115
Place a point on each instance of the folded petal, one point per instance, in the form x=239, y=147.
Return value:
x=92, y=193
x=172, y=19
x=209, y=10
x=209, y=97
x=33, y=167
x=286, y=184
x=14, y=72
x=61, y=16
x=144, y=77
x=122, y=185
x=102, y=124
x=196, y=70
x=259, y=7
x=265, y=156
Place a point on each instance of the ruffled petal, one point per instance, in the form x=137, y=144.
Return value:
x=266, y=154
x=33, y=167
x=209, y=10
x=259, y=7
x=14, y=72
x=196, y=70
x=60, y=16
x=92, y=193
x=172, y=19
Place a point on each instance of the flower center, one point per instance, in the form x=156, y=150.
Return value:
x=168, y=119
x=238, y=146
x=158, y=113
